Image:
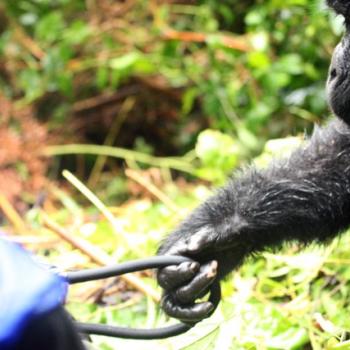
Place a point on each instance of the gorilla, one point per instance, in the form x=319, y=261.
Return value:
x=304, y=198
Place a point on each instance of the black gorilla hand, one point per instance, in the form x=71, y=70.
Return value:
x=185, y=283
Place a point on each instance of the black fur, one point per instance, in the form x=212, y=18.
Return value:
x=305, y=198
x=342, y=7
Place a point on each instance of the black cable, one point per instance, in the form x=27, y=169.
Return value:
x=132, y=333
x=120, y=269
x=132, y=266
x=146, y=334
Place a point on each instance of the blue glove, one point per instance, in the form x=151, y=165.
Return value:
x=27, y=291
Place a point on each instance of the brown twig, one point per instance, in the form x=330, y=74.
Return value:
x=11, y=214
x=27, y=42
x=228, y=41
x=97, y=255
x=107, y=98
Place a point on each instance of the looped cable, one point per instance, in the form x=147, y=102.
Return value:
x=127, y=267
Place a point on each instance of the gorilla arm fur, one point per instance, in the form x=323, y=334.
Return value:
x=305, y=198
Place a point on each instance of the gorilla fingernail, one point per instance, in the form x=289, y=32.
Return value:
x=212, y=269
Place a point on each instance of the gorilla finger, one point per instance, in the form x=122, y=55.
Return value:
x=190, y=313
x=176, y=275
x=198, y=286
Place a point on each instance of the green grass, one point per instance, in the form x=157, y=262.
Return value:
x=293, y=299
x=290, y=299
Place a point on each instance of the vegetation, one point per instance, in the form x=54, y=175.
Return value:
x=118, y=117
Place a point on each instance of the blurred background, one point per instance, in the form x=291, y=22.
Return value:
x=118, y=117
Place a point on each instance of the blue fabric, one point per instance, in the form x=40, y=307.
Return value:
x=27, y=290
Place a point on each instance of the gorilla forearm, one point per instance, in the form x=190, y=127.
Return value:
x=304, y=198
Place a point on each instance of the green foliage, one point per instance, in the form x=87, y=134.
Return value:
x=252, y=68
x=218, y=154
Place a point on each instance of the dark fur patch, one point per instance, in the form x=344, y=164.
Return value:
x=342, y=7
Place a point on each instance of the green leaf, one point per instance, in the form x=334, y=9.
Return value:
x=77, y=33
x=188, y=99
x=102, y=77
x=31, y=83
x=50, y=27
x=129, y=64
x=125, y=62
x=218, y=153
x=292, y=338
x=291, y=64
x=258, y=60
